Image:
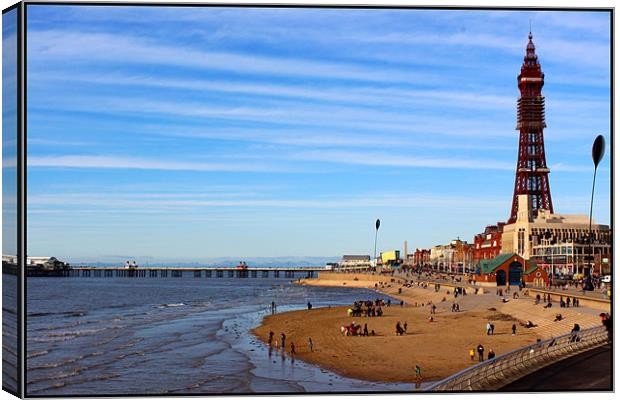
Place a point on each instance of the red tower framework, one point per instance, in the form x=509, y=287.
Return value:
x=532, y=177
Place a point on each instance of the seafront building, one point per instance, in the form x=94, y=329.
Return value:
x=558, y=242
x=488, y=244
x=510, y=269
x=422, y=257
x=355, y=261
x=456, y=256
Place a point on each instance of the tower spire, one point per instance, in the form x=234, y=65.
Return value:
x=531, y=177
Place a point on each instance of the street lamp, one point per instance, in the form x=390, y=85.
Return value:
x=598, y=151
x=377, y=225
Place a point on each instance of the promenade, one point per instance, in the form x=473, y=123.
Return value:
x=590, y=370
x=523, y=308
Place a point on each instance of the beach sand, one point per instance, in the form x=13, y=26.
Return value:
x=440, y=348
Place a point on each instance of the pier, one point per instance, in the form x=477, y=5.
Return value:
x=177, y=272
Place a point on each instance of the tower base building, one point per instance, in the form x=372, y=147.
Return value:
x=557, y=242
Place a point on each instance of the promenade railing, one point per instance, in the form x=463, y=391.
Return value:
x=498, y=372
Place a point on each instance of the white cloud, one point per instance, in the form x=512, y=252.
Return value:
x=111, y=162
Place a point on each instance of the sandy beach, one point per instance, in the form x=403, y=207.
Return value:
x=440, y=348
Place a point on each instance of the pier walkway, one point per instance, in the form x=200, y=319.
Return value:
x=177, y=272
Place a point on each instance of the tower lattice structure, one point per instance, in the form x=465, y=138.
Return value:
x=532, y=175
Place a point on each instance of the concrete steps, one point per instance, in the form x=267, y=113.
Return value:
x=525, y=310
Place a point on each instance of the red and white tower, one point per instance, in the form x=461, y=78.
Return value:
x=532, y=177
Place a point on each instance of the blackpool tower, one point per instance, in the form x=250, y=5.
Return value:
x=532, y=176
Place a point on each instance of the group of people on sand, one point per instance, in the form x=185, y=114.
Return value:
x=401, y=329
x=282, y=344
x=480, y=351
x=354, y=329
x=368, y=308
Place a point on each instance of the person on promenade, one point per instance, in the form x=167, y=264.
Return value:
x=608, y=324
x=574, y=333
x=270, y=340
x=282, y=340
x=491, y=355
x=480, y=349
x=472, y=353
x=310, y=344
x=514, y=329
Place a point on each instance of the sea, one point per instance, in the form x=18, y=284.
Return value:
x=185, y=335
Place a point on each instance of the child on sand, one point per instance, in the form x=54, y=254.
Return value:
x=472, y=353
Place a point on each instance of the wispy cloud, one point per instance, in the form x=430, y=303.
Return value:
x=111, y=162
x=394, y=160
x=98, y=47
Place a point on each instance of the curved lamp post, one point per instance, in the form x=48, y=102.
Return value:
x=377, y=225
x=598, y=151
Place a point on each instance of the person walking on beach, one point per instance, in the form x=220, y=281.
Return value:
x=472, y=353
x=270, y=340
x=365, y=329
x=488, y=328
x=292, y=349
x=514, y=329
x=492, y=329
x=310, y=344
x=273, y=307
x=282, y=340
x=309, y=306
x=418, y=372
x=480, y=349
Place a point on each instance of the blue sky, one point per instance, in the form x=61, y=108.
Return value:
x=192, y=133
x=9, y=132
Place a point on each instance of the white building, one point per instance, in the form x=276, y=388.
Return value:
x=564, y=236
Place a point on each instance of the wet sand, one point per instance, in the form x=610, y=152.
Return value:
x=440, y=348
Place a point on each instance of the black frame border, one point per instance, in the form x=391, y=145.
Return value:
x=22, y=7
